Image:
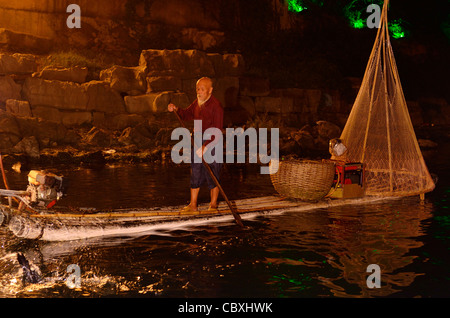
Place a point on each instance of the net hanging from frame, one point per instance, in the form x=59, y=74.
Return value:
x=379, y=132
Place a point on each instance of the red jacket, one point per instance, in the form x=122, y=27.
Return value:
x=211, y=115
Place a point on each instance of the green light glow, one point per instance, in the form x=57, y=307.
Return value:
x=295, y=6
x=397, y=31
x=299, y=5
x=357, y=16
x=354, y=11
x=357, y=22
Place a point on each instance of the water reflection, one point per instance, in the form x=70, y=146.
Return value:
x=320, y=253
x=380, y=235
x=344, y=241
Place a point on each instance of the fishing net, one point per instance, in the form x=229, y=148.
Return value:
x=379, y=132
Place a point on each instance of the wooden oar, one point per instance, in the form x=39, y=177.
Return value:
x=233, y=210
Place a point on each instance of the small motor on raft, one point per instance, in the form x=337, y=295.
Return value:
x=349, y=177
x=44, y=188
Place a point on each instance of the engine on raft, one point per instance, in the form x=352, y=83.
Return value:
x=44, y=189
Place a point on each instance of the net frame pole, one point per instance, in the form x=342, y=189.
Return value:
x=385, y=41
x=375, y=51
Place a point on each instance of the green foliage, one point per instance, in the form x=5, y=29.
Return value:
x=94, y=62
x=356, y=14
x=397, y=30
x=296, y=6
x=72, y=58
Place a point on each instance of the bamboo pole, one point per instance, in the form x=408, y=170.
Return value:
x=385, y=37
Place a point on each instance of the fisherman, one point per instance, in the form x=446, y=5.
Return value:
x=209, y=110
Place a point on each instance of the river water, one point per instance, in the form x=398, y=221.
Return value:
x=318, y=253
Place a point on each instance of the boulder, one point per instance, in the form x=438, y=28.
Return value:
x=140, y=104
x=152, y=61
x=29, y=146
x=75, y=74
x=17, y=63
x=76, y=118
x=163, y=83
x=45, y=131
x=18, y=107
x=99, y=137
x=125, y=79
x=8, y=89
x=13, y=129
x=7, y=141
x=131, y=136
x=198, y=64
x=102, y=98
x=181, y=63
x=327, y=130
x=9, y=124
x=59, y=94
x=154, y=102
x=47, y=113
x=176, y=61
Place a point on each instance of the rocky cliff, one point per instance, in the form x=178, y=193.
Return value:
x=124, y=27
x=126, y=106
x=115, y=26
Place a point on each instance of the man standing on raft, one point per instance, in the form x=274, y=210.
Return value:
x=209, y=110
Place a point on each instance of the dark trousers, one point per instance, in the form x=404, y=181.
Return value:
x=199, y=173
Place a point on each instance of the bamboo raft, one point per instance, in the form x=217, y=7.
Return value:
x=66, y=225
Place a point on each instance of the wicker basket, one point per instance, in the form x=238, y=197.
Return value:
x=308, y=180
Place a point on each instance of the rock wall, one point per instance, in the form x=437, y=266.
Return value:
x=123, y=95
x=124, y=26
x=50, y=104
x=122, y=98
